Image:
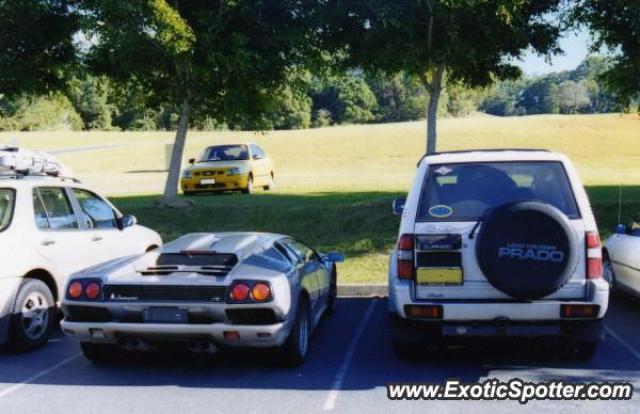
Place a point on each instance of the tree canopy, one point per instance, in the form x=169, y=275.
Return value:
x=36, y=40
x=615, y=24
x=466, y=42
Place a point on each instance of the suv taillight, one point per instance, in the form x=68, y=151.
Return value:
x=594, y=255
x=406, y=264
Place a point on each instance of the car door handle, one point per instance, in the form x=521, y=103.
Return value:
x=96, y=238
x=47, y=242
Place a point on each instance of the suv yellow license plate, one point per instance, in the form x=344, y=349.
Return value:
x=439, y=276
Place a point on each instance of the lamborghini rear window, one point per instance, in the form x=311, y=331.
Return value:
x=198, y=259
x=465, y=191
x=7, y=198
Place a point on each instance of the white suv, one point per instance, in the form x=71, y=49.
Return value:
x=497, y=243
x=52, y=227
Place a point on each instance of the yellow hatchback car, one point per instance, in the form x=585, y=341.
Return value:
x=229, y=167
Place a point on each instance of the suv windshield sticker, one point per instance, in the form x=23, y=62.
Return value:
x=443, y=170
x=440, y=211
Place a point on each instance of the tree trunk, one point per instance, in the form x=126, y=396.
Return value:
x=435, y=89
x=170, y=197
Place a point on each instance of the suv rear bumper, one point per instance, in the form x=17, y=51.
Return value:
x=401, y=294
x=490, y=318
x=409, y=330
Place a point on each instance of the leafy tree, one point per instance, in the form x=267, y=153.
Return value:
x=42, y=112
x=573, y=96
x=36, y=45
x=441, y=41
x=89, y=97
x=291, y=108
x=541, y=96
x=225, y=59
x=614, y=24
x=134, y=109
x=348, y=98
x=460, y=101
x=503, y=99
x=400, y=97
x=294, y=111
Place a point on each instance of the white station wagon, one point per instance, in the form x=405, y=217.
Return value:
x=622, y=258
x=497, y=243
x=51, y=227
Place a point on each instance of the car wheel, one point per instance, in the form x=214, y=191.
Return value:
x=332, y=300
x=579, y=350
x=270, y=185
x=33, y=316
x=608, y=273
x=249, y=189
x=295, y=349
x=98, y=353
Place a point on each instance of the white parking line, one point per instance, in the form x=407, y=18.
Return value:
x=37, y=376
x=623, y=342
x=330, y=402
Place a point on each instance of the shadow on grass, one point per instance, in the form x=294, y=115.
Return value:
x=355, y=223
x=605, y=204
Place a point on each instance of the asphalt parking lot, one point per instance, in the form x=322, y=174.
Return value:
x=350, y=363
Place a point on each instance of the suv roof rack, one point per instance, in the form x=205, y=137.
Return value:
x=484, y=150
x=17, y=162
x=19, y=176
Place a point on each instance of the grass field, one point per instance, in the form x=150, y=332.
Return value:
x=335, y=185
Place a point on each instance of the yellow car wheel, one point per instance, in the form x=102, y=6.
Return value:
x=269, y=186
x=249, y=188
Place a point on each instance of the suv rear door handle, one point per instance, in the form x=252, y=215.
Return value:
x=96, y=238
x=48, y=242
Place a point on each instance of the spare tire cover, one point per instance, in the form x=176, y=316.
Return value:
x=527, y=250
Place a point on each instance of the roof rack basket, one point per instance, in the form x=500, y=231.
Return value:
x=16, y=161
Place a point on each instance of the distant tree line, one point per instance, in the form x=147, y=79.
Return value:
x=353, y=98
x=96, y=103
x=579, y=91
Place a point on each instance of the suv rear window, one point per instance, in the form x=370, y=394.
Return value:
x=464, y=191
x=7, y=198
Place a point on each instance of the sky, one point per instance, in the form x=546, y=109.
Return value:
x=575, y=46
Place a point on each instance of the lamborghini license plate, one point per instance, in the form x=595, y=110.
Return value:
x=208, y=181
x=447, y=276
x=165, y=315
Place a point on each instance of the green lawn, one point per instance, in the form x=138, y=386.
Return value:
x=335, y=185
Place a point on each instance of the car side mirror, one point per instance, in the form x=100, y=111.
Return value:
x=335, y=257
x=258, y=156
x=192, y=161
x=127, y=221
x=398, y=206
x=620, y=229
